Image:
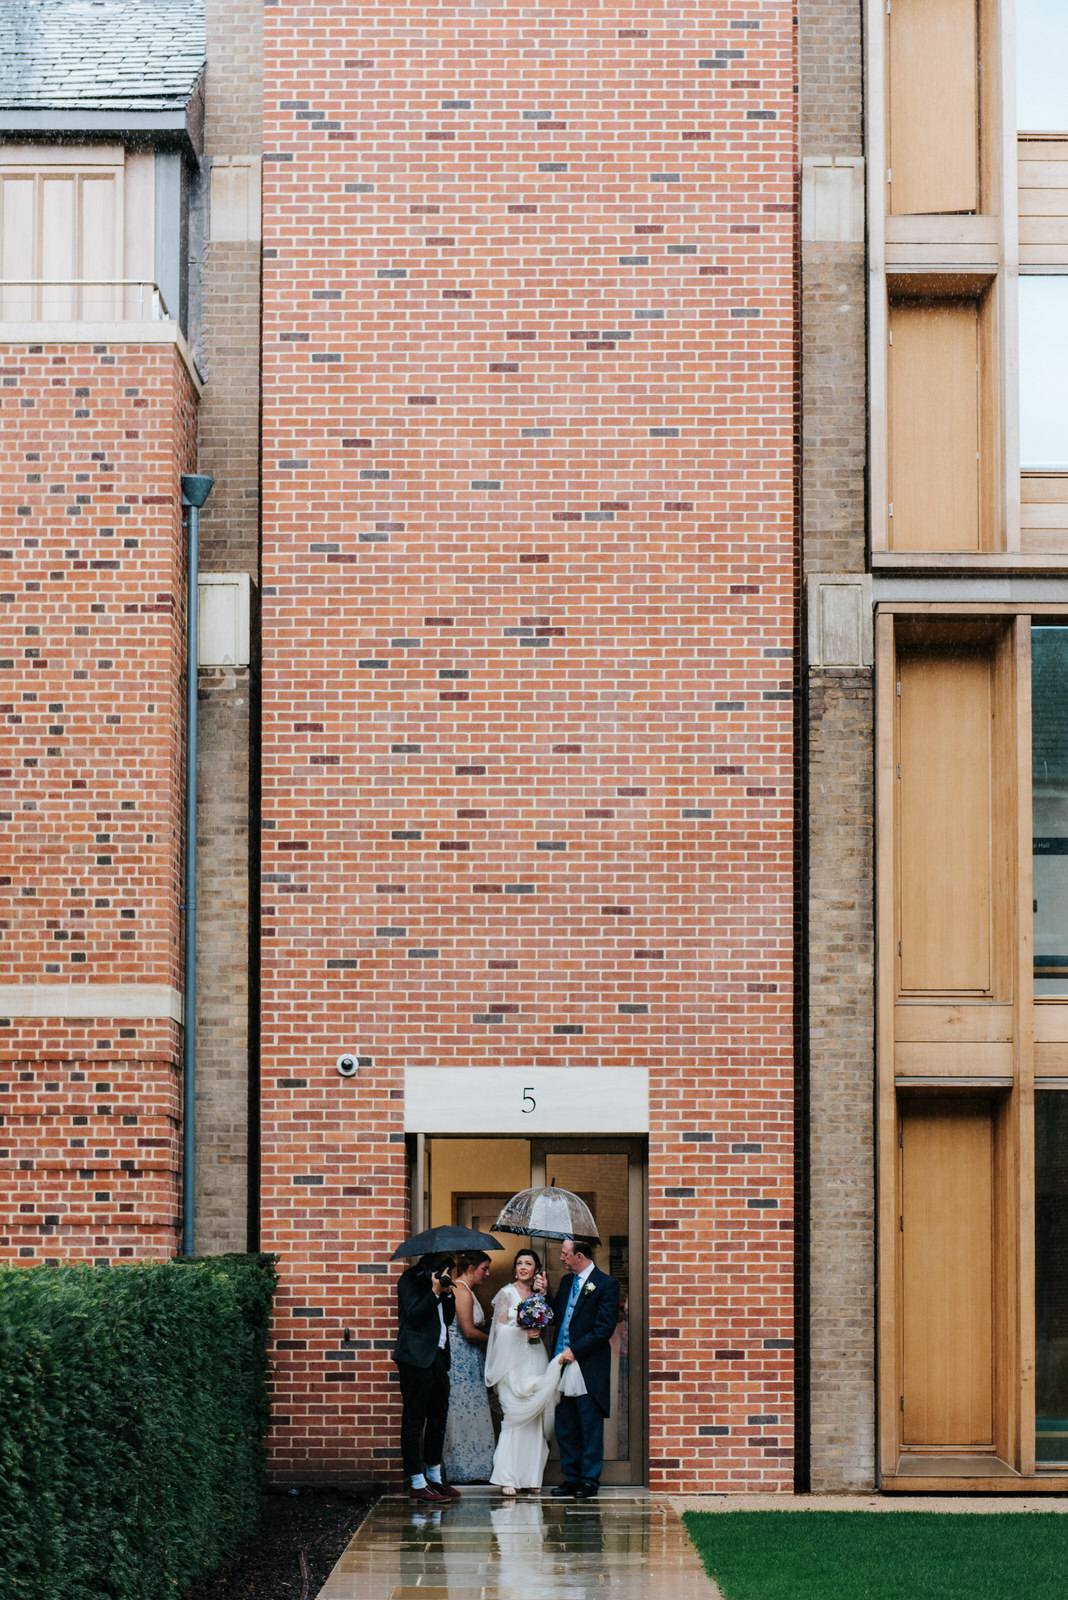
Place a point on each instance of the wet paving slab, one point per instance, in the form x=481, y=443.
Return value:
x=488, y=1548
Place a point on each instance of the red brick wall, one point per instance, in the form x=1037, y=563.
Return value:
x=528, y=546
x=92, y=442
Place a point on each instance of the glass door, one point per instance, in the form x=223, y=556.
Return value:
x=609, y=1174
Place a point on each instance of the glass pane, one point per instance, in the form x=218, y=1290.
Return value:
x=1041, y=66
x=602, y=1181
x=1049, y=781
x=1044, y=372
x=1051, y=1278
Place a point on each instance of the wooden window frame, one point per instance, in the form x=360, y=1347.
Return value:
x=964, y=1045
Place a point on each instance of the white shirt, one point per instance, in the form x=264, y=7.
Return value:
x=443, y=1336
x=584, y=1274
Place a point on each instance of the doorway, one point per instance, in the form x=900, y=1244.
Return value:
x=467, y=1181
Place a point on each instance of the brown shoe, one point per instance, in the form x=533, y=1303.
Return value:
x=446, y=1490
x=429, y=1494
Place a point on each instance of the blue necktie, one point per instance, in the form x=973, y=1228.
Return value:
x=565, y=1326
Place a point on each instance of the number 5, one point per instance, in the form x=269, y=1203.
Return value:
x=528, y=1095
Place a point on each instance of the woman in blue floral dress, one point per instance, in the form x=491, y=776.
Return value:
x=469, y=1441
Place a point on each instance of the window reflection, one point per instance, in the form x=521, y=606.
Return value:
x=1041, y=66
x=1044, y=371
x=1051, y=1278
x=1049, y=774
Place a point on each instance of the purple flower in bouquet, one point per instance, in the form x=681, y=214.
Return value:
x=535, y=1315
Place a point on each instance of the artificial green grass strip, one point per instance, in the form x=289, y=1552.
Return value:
x=883, y=1555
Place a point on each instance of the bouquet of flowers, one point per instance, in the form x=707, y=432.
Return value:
x=535, y=1315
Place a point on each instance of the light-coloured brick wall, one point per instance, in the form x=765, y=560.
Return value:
x=528, y=569
x=838, y=773
x=835, y=370
x=233, y=109
x=229, y=445
x=223, y=951
x=230, y=410
x=831, y=76
x=92, y=442
x=841, y=1037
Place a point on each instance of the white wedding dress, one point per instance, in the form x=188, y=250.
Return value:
x=526, y=1383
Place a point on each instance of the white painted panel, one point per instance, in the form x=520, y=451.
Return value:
x=832, y=198
x=41, y=156
x=57, y=254
x=839, y=620
x=526, y=1100
x=101, y=246
x=16, y=245
x=139, y=209
x=223, y=620
x=235, y=198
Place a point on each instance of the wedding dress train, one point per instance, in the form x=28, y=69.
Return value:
x=527, y=1383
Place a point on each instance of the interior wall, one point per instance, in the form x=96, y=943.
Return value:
x=479, y=1167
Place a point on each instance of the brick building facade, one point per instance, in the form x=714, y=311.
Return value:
x=94, y=440
x=536, y=406
x=527, y=638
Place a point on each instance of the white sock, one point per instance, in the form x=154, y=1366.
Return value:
x=433, y=1474
x=418, y=1481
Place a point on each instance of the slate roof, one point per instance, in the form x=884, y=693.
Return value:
x=100, y=55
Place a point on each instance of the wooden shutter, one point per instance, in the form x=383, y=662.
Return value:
x=933, y=106
x=934, y=424
x=947, y=1295
x=945, y=814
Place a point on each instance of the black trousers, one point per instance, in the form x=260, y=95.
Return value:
x=425, y=1394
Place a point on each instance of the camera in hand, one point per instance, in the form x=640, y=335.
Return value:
x=427, y=1270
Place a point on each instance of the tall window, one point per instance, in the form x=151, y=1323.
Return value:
x=1041, y=66
x=1049, y=806
x=1051, y=1278
x=1044, y=372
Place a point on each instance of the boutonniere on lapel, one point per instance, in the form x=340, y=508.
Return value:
x=588, y=1288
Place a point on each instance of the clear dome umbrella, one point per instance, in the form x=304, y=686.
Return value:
x=548, y=1213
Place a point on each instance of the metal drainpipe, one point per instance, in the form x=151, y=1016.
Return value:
x=195, y=490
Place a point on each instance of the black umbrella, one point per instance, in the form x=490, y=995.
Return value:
x=432, y=1241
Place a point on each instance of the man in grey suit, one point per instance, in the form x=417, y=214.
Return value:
x=586, y=1315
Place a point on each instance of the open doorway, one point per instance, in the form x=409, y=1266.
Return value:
x=467, y=1181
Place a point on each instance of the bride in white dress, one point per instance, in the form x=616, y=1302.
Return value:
x=526, y=1383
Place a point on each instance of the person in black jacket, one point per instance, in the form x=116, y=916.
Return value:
x=586, y=1315
x=425, y=1308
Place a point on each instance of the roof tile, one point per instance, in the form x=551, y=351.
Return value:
x=143, y=55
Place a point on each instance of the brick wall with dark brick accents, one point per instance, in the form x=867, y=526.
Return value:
x=92, y=586
x=90, y=1142
x=528, y=541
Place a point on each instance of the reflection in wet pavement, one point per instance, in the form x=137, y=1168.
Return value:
x=488, y=1549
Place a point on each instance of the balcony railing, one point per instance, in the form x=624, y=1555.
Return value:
x=81, y=300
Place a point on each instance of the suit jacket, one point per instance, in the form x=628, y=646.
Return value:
x=417, y=1313
x=593, y=1322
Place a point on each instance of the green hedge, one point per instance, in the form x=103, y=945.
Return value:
x=133, y=1405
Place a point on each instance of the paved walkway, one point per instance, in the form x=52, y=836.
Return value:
x=487, y=1548
x=625, y=1543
